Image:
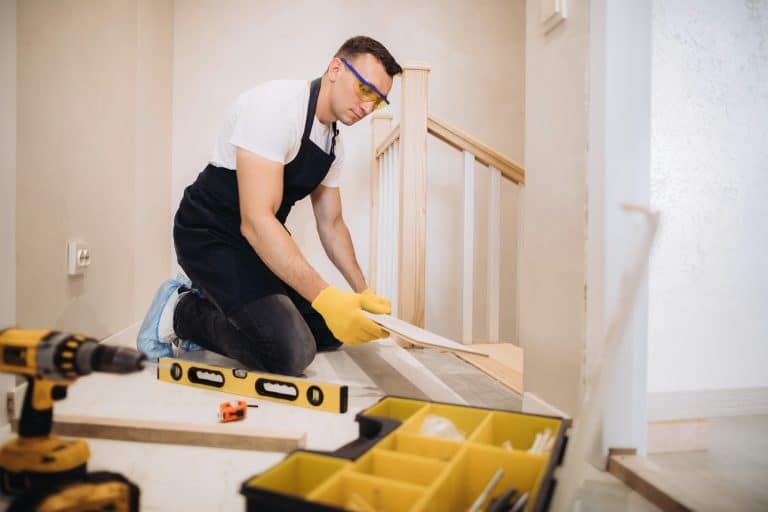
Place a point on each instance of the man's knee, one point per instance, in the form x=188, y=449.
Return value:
x=282, y=342
x=292, y=356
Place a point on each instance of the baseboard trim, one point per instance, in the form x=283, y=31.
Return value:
x=672, y=436
x=117, y=335
x=678, y=405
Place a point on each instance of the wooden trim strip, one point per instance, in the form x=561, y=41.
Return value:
x=504, y=363
x=388, y=141
x=419, y=336
x=234, y=437
x=646, y=480
x=484, y=154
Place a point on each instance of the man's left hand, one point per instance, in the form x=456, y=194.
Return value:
x=375, y=303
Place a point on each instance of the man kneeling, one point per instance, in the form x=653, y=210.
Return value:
x=251, y=295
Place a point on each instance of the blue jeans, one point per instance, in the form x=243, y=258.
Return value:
x=278, y=333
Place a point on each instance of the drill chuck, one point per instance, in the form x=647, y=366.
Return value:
x=117, y=359
x=63, y=356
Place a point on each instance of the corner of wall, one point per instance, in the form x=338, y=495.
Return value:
x=154, y=89
x=552, y=260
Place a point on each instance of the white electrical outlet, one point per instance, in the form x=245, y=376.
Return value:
x=78, y=257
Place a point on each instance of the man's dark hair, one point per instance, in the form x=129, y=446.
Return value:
x=362, y=44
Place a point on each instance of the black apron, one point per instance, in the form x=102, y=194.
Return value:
x=206, y=232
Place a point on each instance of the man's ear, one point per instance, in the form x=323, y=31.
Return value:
x=334, y=68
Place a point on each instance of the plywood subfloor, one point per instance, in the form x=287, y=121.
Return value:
x=198, y=478
x=731, y=474
x=169, y=474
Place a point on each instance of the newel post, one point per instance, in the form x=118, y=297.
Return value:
x=413, y=193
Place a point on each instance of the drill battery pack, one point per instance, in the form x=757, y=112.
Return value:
x=97, y=491
x=27, y=462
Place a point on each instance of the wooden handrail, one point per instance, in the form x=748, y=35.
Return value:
x=391, y=138
x=484, y=154
x=398, y=208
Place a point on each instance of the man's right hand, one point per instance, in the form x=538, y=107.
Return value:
x=342, y=312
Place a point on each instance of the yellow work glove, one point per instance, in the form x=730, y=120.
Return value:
x=343, y=313
x=375, y=303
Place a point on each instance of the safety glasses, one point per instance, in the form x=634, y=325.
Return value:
x=366, y=91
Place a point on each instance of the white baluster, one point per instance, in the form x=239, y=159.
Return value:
x=391, y=216
x=468, y=260
x=381, y=226
x=384, y=237
x=494, y=253
x=395, y=249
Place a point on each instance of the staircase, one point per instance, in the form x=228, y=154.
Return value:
x=399, y=207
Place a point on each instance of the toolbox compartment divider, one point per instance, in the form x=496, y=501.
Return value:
x=394, y=466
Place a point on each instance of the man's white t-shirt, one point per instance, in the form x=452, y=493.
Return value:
x=268, y=121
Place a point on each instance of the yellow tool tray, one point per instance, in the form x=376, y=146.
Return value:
x=391, y=467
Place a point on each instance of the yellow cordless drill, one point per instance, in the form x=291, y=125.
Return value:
x=46, y=471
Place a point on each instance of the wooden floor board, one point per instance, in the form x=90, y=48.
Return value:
x=473, y=385
x=387, y=378
x=504, y=363
x=734, y=467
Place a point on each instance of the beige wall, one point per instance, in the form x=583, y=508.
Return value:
x=7, y=178
x=152, y=193
x=477, y=83
x=7, y=162
x=552, y=261
x=93, y=159
x=96, y=82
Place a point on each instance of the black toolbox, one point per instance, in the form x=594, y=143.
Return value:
x=393, y=467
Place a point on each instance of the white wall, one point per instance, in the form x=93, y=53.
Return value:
x=7, y=162
x=552, y=258
x=476, y=83
x=708, y=312
x=618, y=172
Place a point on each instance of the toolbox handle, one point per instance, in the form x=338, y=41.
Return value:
x=372, y=430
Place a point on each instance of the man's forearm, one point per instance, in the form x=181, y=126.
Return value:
x=337, y=243
x=280, y=253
